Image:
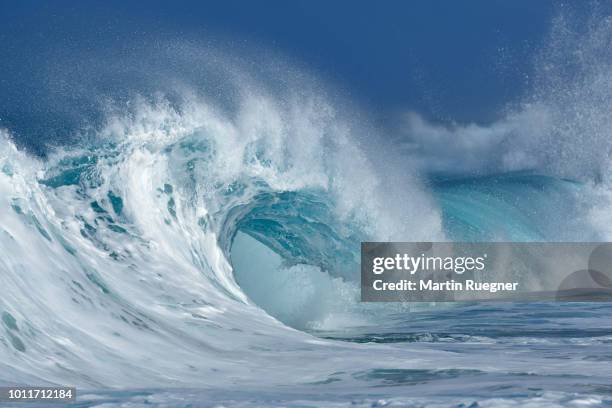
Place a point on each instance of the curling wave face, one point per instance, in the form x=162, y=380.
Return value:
x=127, y=241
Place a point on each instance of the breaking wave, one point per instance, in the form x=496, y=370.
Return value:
x=185, y=239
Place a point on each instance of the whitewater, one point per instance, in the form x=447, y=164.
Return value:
x=191, y=249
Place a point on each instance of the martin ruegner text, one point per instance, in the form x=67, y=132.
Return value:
x=449, y=285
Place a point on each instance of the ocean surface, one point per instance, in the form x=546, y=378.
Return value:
x=196, y=242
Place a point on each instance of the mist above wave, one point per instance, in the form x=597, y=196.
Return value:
x=561, y=128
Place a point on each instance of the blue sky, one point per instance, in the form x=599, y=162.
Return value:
x=448, y=60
